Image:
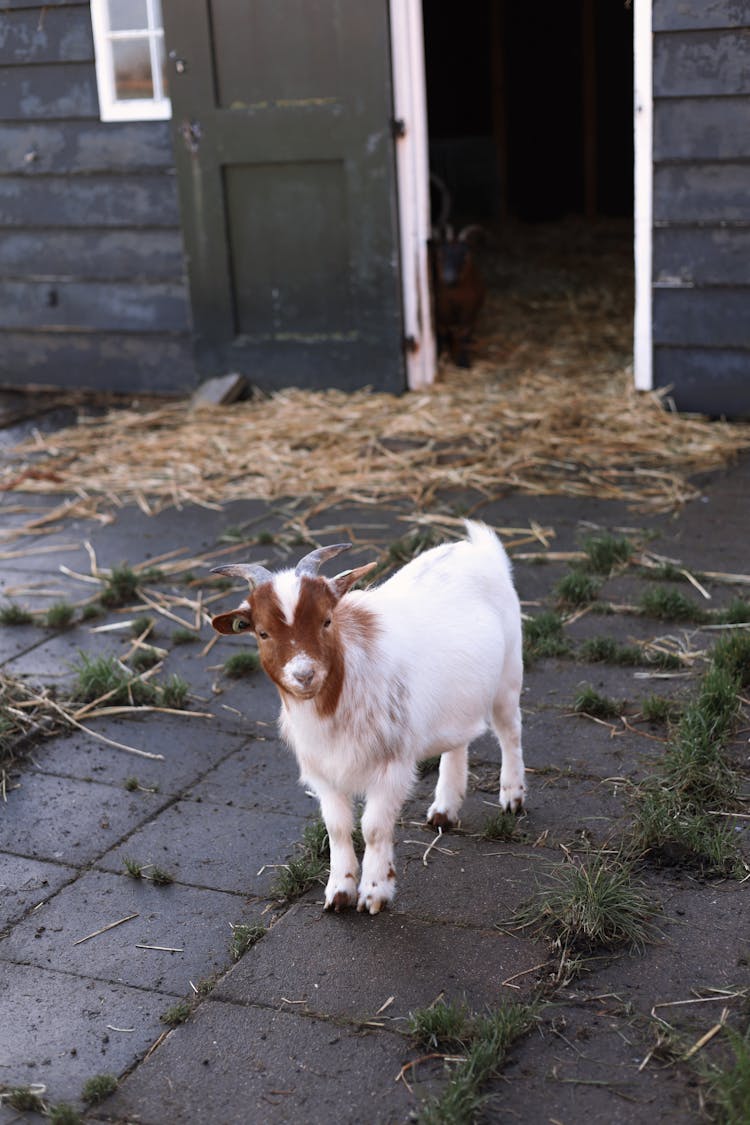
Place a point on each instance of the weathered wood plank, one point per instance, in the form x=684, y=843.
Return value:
x=696, y=317
x=150, y=255
x=704, y=380
x=43, y=92
x=95, y=306
x=72, y=146
x=87, y=201
x=46, y=36
x=702, y=256
x=701, y=128
x=689, y=14
x=694, y=64
x=15, y=5
x=126, y=364
x=709, y=193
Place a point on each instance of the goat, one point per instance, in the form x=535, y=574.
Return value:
x=373, y=681
x=458, y=288
x=459, y=292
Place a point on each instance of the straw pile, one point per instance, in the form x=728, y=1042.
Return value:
x=549, y=407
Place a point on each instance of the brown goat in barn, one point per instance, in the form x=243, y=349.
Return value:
x=459, y=291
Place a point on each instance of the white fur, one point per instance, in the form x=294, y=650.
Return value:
x=445, y=665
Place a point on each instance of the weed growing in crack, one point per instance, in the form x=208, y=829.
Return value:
x=64, y=1114
x=156, y=875
x=304, y=871
x=174, y=692
x=736, y=613
x=242, y=664
x=659, y=709
x=589, y=701
x=576, y=588
x=732, y=655
x=144, y=658
x=59, y=616
x=592, y=903
x=444, y=1024
x=141, y=625
x=244, y=937
x=26, y=1099
x=667, y=604
x=500, y=826
x=729, y=1087
x=606, y=552
x=14, y=614
x=98, y=1088
x=97, y=676
x=177, y=1014
x=543, y=636
x=675, y=815
x=485, y=1044
x=184, y=637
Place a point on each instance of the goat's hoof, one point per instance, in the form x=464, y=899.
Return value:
x=340, y=901
x=512, y=800
x=440, y=820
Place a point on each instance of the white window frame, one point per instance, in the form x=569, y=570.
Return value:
x=158, y=108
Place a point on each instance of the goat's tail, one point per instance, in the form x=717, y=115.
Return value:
x=483, y=537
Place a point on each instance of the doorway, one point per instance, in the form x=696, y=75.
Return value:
x=530, y=112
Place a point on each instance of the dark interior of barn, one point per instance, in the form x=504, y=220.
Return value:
x=530, y=115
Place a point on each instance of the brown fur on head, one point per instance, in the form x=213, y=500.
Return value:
x=296, y=625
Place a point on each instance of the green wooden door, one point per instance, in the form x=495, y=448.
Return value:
x=285, y=161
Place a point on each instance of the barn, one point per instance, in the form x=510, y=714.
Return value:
x=194, y=187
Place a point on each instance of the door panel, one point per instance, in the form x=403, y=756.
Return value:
x=286, y=169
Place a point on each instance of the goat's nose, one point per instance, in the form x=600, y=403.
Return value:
x=304, y=677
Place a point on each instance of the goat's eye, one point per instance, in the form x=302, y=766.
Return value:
x=326, y=623
x=263, y=636
x=239, y=624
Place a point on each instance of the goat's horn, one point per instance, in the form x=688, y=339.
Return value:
x=310, y=563
x=253, y=573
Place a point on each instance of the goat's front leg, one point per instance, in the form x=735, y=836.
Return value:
x=336, y=810
x=383, y=803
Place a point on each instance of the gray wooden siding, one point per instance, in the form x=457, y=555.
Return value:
x=701, y=309
x=92, y=282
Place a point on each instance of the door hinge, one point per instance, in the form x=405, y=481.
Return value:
x=398, y=127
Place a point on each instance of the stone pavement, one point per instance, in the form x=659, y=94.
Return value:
x=310, y=1024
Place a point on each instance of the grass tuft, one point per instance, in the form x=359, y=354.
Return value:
x=444, y=1024
x=242, y=664
x=14, y=614
x=177, y=1014
x=588, y=701
x=98, y=675
x=488, y=1038
x=308, y=868
x=543, y=636
x=732, y=655
x=606, y=552
x=577, y=588
x=98, y=1088
x=730, y=1086
x=591, y=904
x=184, y=637
x=659, y=709
x=500, y=826
x=174, y=692
x=144, y=658
x=244, y=937
x=25, y=1099
x=736, y=613
x=668, y=604
x=59, y=616
x=64, y=1114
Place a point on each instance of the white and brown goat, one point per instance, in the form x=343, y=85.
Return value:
x=374, y=681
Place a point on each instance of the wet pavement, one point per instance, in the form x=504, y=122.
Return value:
x=311, y=1023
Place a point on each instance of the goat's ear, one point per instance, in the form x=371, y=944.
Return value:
x=238, y=621
x=343, y=582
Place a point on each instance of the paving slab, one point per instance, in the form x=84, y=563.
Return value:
x=261, y=775
x=58, y=818
x=59, y=1029
x=209, y=845
x=189, y=749
x=350, y=964
x=232, y=1064
x=25, y=883
x=190, y=926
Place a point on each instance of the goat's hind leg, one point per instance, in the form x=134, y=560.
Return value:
x=506, y=723
x=450, y=789
x=336, y=810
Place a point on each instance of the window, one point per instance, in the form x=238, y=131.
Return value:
x=130, y=60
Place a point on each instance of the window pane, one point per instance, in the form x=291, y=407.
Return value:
x=127, y=15
x=158, y=20
x=132, y=63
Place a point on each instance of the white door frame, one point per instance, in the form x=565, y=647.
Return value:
x=643, y=109
x=413, y=176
